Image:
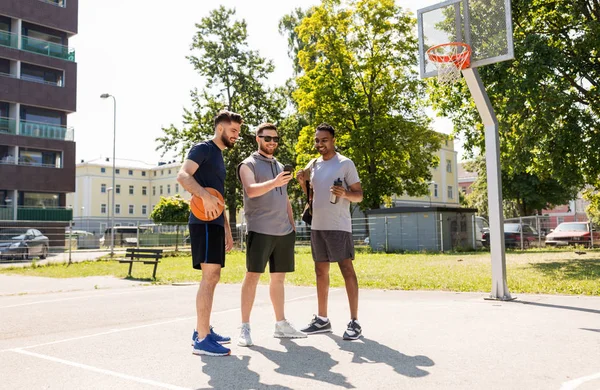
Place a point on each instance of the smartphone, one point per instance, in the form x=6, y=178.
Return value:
x=288, y=168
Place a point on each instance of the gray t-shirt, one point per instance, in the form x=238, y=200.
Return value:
x=328, y=216
x=268, y=213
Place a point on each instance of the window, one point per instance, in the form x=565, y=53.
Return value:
x=144, y=210
x=154, y=173
x=117, y=224
x=103, y=208
x=131, y=172
x=103, y=188
x=176, y=187
x=102, y=170
x=169, y=171
x=131, y=208
x=446, y=142
x=450, y=195
x=38, y=158
x=117, y=209
x=118, y=191
x=449, y=166
x=153, y=190
x=162, y=172
x=161, y=190
x=130, y=190
x=117, y=171
x=435, y=190
x=143, y=173
x=38, y=199
x=144, y=191
x=168, y=188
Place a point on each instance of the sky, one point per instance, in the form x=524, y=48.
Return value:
x=135, y=50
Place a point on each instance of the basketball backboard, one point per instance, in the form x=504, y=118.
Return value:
x=486, y=25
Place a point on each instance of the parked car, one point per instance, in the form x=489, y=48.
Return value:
x=23, y=243
x=124, y=235
x=85, y=240
x=572, y=233
x=512, y=236
x=481, y=226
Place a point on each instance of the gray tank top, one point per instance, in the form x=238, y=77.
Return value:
x=266, y=214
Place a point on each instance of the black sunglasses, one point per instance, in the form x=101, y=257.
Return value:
x=268, y=138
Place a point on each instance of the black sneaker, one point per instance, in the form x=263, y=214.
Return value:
x=353, y=332
x=317, y=325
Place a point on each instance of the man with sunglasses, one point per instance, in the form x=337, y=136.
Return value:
x=331, y=228
x=271, y=231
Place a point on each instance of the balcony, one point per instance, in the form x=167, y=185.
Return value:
x=45, y=130
x=8, y=126
x=59, y=214
x=8, y=39
x=6, y=213
x=58, y=3
x=46, y=48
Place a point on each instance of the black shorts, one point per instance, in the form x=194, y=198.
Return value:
x=208, y=244
x=278, y=251
x=331, y=245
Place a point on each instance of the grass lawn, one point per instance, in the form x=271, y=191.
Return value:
x=534, y=271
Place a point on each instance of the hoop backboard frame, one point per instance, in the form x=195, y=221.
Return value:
x=462, y=32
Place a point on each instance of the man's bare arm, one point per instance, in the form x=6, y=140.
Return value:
x=185, y=177
x=254, y=189
x=291, y=215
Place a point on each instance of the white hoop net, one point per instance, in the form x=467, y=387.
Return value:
x=449, y=59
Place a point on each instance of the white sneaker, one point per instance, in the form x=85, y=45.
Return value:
x=245, y=339
x=287, y=331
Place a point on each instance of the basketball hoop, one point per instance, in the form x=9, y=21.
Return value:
x=450, y=59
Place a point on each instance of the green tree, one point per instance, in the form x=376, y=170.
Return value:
x=235, y=78
x=356, y=70
x=546, y=100
x=173, y=210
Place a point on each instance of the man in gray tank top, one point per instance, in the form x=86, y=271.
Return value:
x=271, y=230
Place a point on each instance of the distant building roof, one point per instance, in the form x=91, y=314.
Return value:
x=464, y=175
x=123, y=163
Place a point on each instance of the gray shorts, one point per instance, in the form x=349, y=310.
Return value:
x=277, y=251
x=331, y=245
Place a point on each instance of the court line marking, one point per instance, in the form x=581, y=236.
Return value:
x=85, y=296
x=575, y=383
x=135, y=327
x=101, y=370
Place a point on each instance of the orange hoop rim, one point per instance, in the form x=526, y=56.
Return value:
x=462, y=60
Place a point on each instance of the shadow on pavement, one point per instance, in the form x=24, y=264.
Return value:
x=594, y=311
x=370, y=352
x=591, y=330
x=232, y=372
x=304, y=362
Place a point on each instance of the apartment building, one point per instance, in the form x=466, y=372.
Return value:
x=38, y=89
x=138, y=188
x=444, y=183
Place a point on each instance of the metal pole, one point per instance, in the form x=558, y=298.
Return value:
x=474, y=227
x=441, y=232
x=539, y=228
x=591, y=235
x=494, y=181
x=521, y=230
x=386, y=234
x=137, y=235
x=70, y=242
x=112, y=227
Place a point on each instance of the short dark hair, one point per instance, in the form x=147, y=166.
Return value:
x=326, y=127
x=265, y=126
x=225, y=116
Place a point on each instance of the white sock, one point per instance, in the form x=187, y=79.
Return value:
x=323, y=318
x=356, y=322
x=246, y=323
x=200, y=339
x=280, y=323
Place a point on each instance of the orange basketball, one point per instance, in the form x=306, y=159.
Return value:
x=197, y=205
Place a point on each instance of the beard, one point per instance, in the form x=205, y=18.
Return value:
x=266, y=150
x=226, y=141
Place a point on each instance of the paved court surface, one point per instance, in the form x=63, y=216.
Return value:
x=106, y=333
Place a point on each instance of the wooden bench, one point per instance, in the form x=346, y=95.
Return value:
x=146, y=256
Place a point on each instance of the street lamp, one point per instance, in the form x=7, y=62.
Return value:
x=112, y=224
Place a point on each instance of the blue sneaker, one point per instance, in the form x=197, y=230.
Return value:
x=210, y=347
x=218, y=338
